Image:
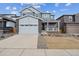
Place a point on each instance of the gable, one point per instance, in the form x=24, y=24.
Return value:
x=28, y=20
x=30, y=9
x=26, y=11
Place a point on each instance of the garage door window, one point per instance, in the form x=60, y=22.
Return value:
x=21, y=25
x=28, y=25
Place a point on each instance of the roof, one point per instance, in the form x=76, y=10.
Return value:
x=28, y=8
x=63, y=16
x=7, y=14
x=46, y=13
x=76, y=14
x=9, y=19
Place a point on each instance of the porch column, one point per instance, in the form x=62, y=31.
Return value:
x=47, y=26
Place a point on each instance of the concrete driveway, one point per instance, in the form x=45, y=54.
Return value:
x=26, y=45
x=20, y=41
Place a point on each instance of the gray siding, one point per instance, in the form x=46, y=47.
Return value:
x=77, y=18
x=72, y=28
x=0, y=23
x=46, y=16
x=68, y=19
x=40, y=26
x=17, y=26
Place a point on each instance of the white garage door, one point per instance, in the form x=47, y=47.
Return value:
x=28, y=29
x=28, y=25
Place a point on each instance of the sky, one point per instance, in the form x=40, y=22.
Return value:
x=57, y=9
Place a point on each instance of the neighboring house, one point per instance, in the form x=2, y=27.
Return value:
x=31, y=18
x=7, y=24
x=77, y=18
x=69, y=23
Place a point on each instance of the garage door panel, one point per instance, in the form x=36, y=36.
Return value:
x=28, y=20
x=72, y=28
x=28, y=29
x=28, y=25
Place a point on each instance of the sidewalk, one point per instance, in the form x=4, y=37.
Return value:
x=39, y=52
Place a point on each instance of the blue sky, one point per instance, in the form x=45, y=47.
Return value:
x=57, y=9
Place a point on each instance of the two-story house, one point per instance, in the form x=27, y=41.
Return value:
x=30, y=21
x=7, y=24
x=34, y=21
x=69, y=23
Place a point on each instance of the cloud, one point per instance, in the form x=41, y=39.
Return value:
x=54, y=11
x=25, y=4
x=22, y=4
x=14, y=8
x=56, y=4
x=15, y=12
x=47, y=11
x=7, y=8
x=64, y=9
x=37, y=6
x=10, y=8
x=68, y=4
x=34, y=4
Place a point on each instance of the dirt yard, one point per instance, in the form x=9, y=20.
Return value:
x=59, y=42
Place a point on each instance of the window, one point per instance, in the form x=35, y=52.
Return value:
x=46, y=16
x=28, y=13
x=70, y=18
x=21, y=25
x=52, y=17
x=24, y=14
x=28, y=25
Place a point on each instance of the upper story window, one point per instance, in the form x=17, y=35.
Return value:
x=31, y=14
x=28, y=13
x=52, y=17
x=70, y=18
x=46, y=16
x=37, y=15
x=24, y=14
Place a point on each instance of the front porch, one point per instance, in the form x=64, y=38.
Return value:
x=52, y=26
x=6, y=26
